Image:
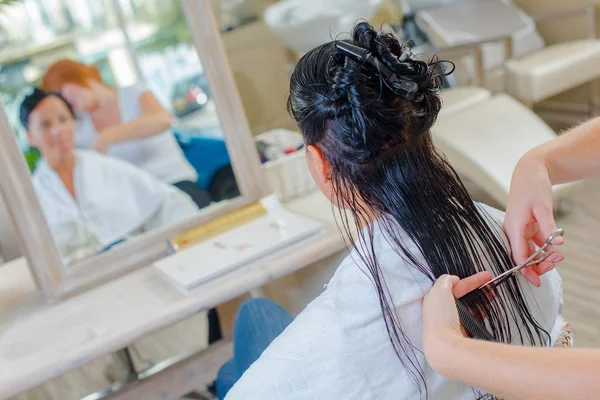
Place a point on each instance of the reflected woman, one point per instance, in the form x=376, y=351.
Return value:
x=127, y=123
x=90, y=200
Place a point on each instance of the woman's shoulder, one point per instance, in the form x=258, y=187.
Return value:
x=133, y=91
x=491, y=213
x=93, y=157
x=113, y=168
x=129, y=98
x=355, y=286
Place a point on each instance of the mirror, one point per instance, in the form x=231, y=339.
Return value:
x=144, y=141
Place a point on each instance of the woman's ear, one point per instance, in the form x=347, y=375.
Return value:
x=320, y=168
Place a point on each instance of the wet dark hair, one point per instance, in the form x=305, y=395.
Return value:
x=30, y=103
x=384, y=164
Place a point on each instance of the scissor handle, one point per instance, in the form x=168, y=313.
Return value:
x=542, y=256
x=553, y=235
x=531, y=260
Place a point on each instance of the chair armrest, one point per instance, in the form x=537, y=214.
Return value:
x=589, y=11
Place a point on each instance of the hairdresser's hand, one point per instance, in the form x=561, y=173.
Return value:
x=441, y=323
x=439, y=309
x=102, y=143
x=529, y=217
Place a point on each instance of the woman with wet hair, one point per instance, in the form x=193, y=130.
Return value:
x=366, y=108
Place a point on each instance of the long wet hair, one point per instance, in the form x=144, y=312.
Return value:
x=384, y=165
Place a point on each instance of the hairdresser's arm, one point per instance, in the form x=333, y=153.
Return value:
x=155, y=119
x=511, y=372
x=574, y=155
x=529, y=216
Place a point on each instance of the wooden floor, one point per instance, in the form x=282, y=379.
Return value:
x=580, y=272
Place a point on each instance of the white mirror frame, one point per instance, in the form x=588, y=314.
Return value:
x=52, y=277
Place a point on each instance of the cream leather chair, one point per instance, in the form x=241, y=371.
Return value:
x=532, y=73
x=484, y=136
x=553, y=70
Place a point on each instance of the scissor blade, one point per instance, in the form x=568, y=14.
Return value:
x=505, y=275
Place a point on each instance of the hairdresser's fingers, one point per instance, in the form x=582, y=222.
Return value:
x=440, y=318
x=518, y=241
x=528, y=272
x=544, y=216
x=100, y=146
x=440, y=299
x=549, y=263
x=471, y=283
x=439, y=307
x=440, y=294
x=69, y=94
x=540, y=239
x=530, y=247
x=520, y=248
x=532, y=276
x=543, y=267
x=533, y=273
x=519, y=230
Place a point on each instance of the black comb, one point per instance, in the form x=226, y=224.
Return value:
x=475, y=328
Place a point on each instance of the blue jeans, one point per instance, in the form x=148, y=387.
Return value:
x=258, y=323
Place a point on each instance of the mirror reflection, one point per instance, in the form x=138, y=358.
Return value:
x=117, y=124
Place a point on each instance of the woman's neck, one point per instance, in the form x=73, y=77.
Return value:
x=64, y=169
x=63, y=166
x=367, y=213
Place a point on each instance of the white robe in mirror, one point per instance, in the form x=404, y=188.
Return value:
x=114, y=200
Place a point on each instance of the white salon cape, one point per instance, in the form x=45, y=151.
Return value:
x=114, y=200
x=338, y=347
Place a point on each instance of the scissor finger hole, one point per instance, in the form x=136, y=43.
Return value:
x=543, y=256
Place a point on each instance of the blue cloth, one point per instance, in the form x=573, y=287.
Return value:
x=258, y=323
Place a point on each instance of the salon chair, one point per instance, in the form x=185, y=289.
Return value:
x=516, y=59
x=484, y=136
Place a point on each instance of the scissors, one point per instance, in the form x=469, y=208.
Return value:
x=540, y=255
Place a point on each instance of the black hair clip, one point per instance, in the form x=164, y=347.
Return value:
x=404, y=88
